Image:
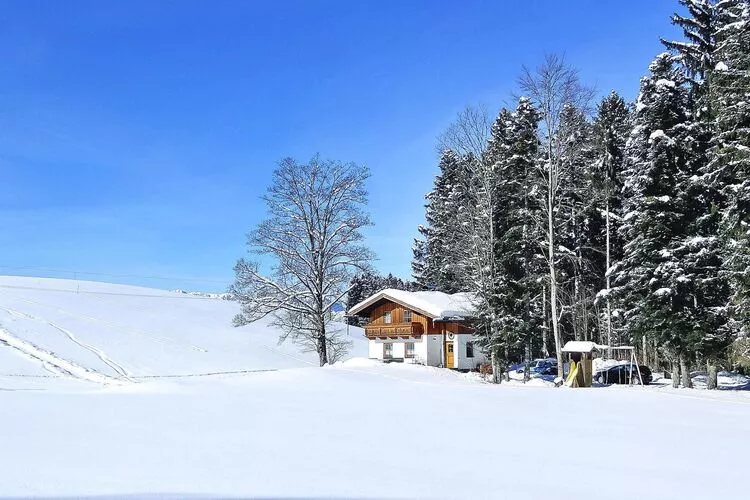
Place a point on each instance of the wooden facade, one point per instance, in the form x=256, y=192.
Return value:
x=400, y=328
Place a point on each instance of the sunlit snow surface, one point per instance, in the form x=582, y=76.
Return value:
x=359, y=429
x=128, y=333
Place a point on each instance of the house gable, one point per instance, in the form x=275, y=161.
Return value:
x=420, y=324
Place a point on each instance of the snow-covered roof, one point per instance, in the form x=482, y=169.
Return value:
x=585, y=346
x=579, y=346
x=434, y=305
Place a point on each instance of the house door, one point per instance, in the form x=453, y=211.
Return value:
x=449, y=355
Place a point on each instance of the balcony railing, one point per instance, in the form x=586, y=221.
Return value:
x=394, y=330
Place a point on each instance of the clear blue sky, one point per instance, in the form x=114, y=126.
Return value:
x=138, y=136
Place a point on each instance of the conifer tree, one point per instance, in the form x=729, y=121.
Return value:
x=419, y=258
x=711, y=29
x=730, y=152
x=650, y=277
x=501, y=254
x=611, y=128
x=436, y=265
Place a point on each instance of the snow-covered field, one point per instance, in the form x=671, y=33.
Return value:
x=113, y=333
x=358, y=429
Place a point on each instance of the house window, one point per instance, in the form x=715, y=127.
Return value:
x=387, y=317
x=407, y=316
x=409, y=350
x=470, y=349
x=387, y=350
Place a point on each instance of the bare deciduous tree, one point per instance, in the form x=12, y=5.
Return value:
x=553, y=86
x=468, y=134
x=316, y=212
x=475, y=238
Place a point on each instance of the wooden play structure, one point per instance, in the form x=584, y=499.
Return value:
x=581, y=356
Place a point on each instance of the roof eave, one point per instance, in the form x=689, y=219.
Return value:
x=382, y=295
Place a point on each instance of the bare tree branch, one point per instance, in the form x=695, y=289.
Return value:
x=468, y=134
x=312, y=235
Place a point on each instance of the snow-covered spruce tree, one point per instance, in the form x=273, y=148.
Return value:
x=419, y=260
x=667, y=277
x=521, y=167
x=439, y=267
x=611, y=127
x=552, y=87
x=730, y=152
x=709, y=26
x=696, y=51
x=502, y=261
x=312, y=235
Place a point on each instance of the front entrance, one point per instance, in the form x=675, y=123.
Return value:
x=449, y=355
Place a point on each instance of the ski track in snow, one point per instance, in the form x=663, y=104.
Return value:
x=53, y=370
x=119, y=369
x=47, y=357
x=94, y=350
x=118, y=327
x=165, y=340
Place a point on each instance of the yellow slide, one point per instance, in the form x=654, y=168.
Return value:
x=572, y=380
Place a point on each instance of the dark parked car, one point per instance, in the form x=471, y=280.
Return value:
x=550, y=369
x=621, y=374
x=545, y=366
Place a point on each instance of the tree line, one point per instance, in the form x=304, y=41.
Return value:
x=621, y=223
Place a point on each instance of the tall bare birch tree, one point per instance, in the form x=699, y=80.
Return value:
x=468, y=134
x=553, y=86
x=312, y=235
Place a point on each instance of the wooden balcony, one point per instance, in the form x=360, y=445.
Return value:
x=394, y=330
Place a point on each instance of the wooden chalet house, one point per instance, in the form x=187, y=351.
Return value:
x=430, y=328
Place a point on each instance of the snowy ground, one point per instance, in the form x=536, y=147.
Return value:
x=105, y=332
x=370, y=431
x=359, y=429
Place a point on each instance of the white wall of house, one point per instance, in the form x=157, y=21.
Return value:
x=420, y=349
x=462, y=362
x=434, y=354
x=376, y=350
x=428, y=349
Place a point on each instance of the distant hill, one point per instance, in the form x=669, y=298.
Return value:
x=106, y=332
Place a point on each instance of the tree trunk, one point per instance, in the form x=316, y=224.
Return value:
x=545, y=327
x=555, y=326
x=675, y=374
x=645, y=351
x=577, y=320
x=713, y=376
x=495, y=366
x=686, y=382
x=553, y=272
x=526, y=361
x=322, y=346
